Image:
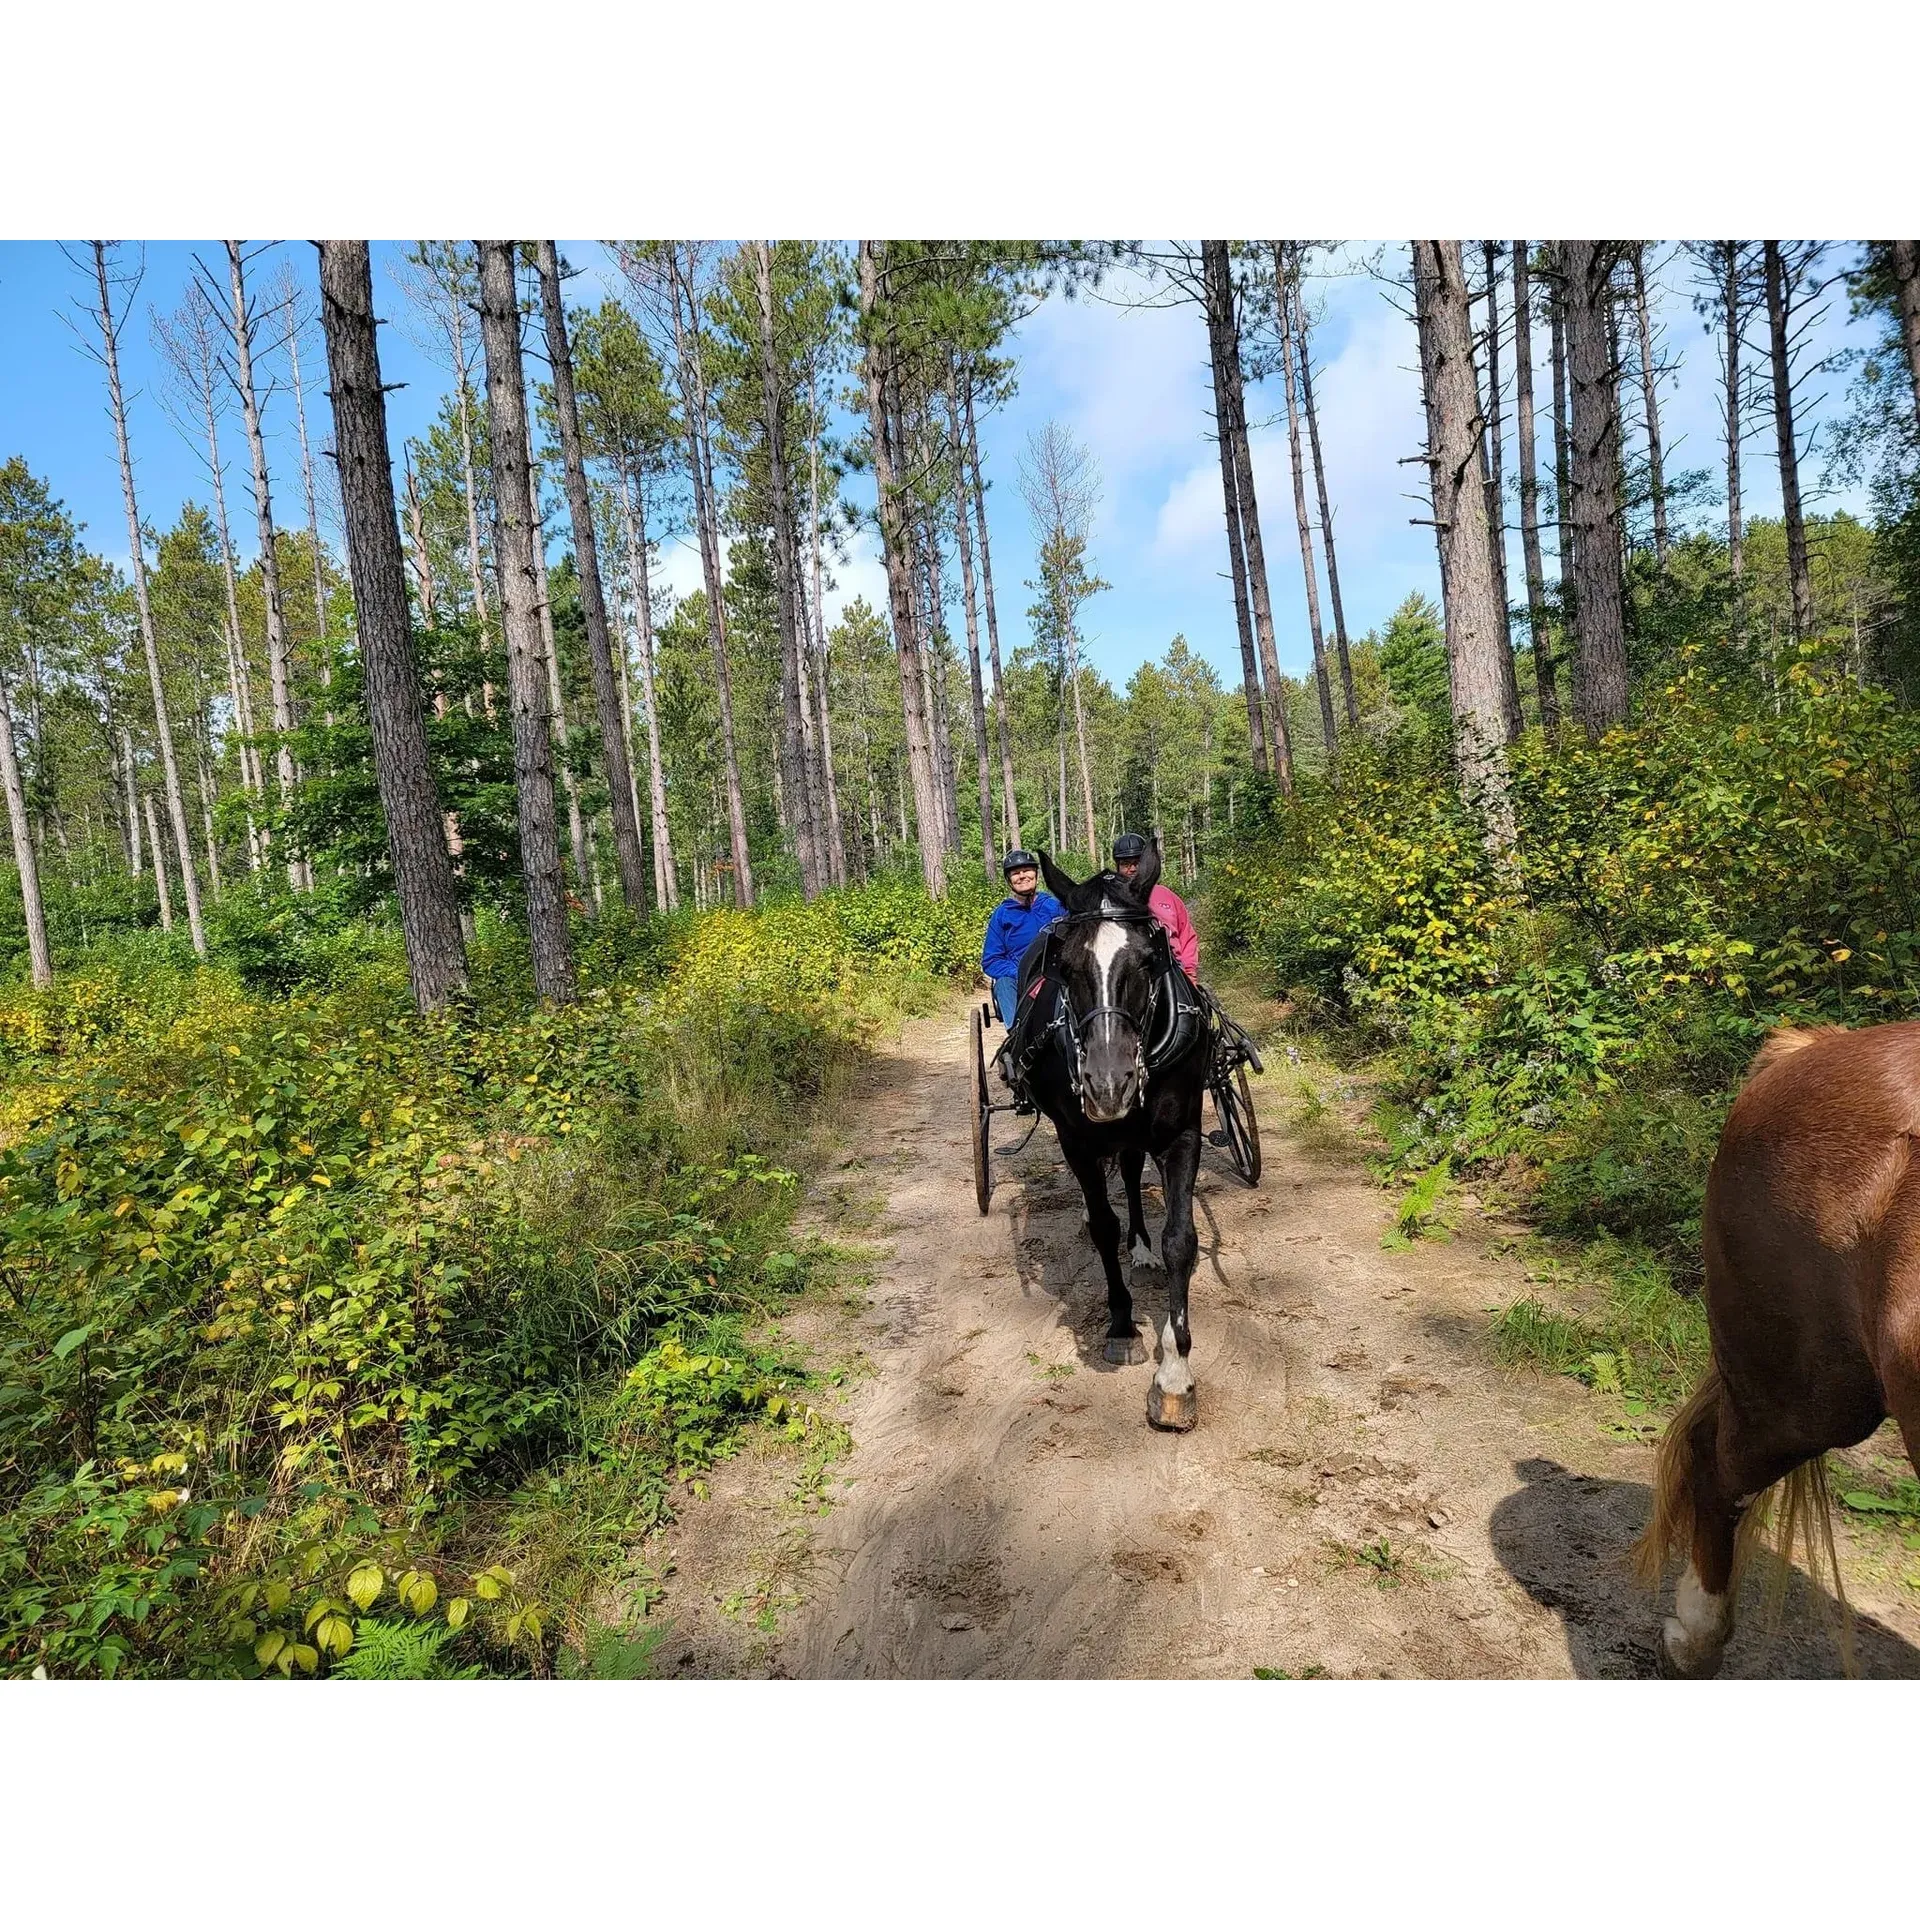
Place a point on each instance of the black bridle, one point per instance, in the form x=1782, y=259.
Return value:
x=1075, y=1028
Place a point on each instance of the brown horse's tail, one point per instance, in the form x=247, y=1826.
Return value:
x=1797, y=1511
x=1669, y=1529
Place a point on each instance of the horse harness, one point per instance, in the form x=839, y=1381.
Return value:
x=1176, y=1016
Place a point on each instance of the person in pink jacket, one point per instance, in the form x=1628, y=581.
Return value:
x=1167, y=906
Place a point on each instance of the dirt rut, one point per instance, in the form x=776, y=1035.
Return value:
x=1367, y=1493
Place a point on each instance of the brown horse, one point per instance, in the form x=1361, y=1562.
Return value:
x=1811, y=1239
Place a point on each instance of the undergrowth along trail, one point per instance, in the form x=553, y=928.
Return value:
x=319, y=1315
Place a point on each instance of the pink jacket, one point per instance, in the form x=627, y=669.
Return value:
x=1171, y=911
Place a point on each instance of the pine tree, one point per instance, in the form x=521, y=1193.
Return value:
x=628, y=854
x=1474, y=641
x=1543, y=677
x=514, y=543
x=416, y=844
x=1600, y=664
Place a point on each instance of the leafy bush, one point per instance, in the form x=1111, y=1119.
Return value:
x=298, y=1283
x=1739, y=856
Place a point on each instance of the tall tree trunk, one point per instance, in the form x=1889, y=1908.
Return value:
x=1221, y=277
x=1494, y=444
x=836, y=833
x=39, y=954
x=666, y=876
x=163, y=731
x=1283, y=272
x=1491, y=478
x=476, y=567
x=416, y=824
x=1565, y=542
x=514, y=542
x=1736, y=530
x=1230, y=493
x=1600, y=665
x=201, y=758
x=693, y=397
x=133, y=804
x=899, y=563
x=956, y=455
x=1904, y=258
x=239, y=679
x=279, y=681
x=1300, y=335
x=313, y=506
x=556, y=692
x=795, y=717
x=162, y=885
x=628, y=854
x=938, y=640
x=1650, y=399
x=1080, y=732
x=1009, y=802
x=1474, y=643
x=1779, y=314
x=417, y=542
x=1544, y=687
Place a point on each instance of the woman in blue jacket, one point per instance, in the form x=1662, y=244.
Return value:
x=1014, y=926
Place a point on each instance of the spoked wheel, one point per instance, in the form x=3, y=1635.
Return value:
x=1239, y=1128
x=982, y=1108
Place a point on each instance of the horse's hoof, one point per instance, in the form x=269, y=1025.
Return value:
x=1130, y=1352
x=1172, y=1412
x=1680, y=1658
x=1141, y=1256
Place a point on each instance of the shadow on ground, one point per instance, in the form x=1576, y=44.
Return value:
x=1566, y=1536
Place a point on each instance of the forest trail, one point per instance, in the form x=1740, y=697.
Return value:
x=1367, y=1493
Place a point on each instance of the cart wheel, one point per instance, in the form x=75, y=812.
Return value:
x=982, y=1108
x=1239, y=1126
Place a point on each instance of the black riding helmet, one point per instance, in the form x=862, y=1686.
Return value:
x=1017, y=859
x=1130, y=846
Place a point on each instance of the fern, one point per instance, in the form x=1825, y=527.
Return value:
x=610, y=1655
x=399, y=1650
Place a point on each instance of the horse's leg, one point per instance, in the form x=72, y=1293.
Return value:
x=1124, y=1347
x=1726, y=1467
x=1140, y=1251
x=1173, y=1402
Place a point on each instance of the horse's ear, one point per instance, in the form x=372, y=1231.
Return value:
x=1147, y=876
x=1059, y=884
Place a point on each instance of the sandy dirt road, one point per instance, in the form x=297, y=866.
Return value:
x=1367, y=1493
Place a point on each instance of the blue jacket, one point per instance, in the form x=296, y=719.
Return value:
x=1012, y=929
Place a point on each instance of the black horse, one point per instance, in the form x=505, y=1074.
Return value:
x=1117, y=1049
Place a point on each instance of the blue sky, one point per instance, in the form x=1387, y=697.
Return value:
x=1131, y=382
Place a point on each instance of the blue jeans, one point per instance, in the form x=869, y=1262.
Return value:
x=1003, y=1000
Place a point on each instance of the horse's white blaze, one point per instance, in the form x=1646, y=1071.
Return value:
x=1175, y=1376
x=1109, y=943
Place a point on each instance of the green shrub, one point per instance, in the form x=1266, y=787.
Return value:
x=297, y=1282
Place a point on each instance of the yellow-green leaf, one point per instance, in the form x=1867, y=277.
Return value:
x=364, y=1584
x=335, y=1636
x=457, y=1611
x=267, y=1648
x=307, y=1658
